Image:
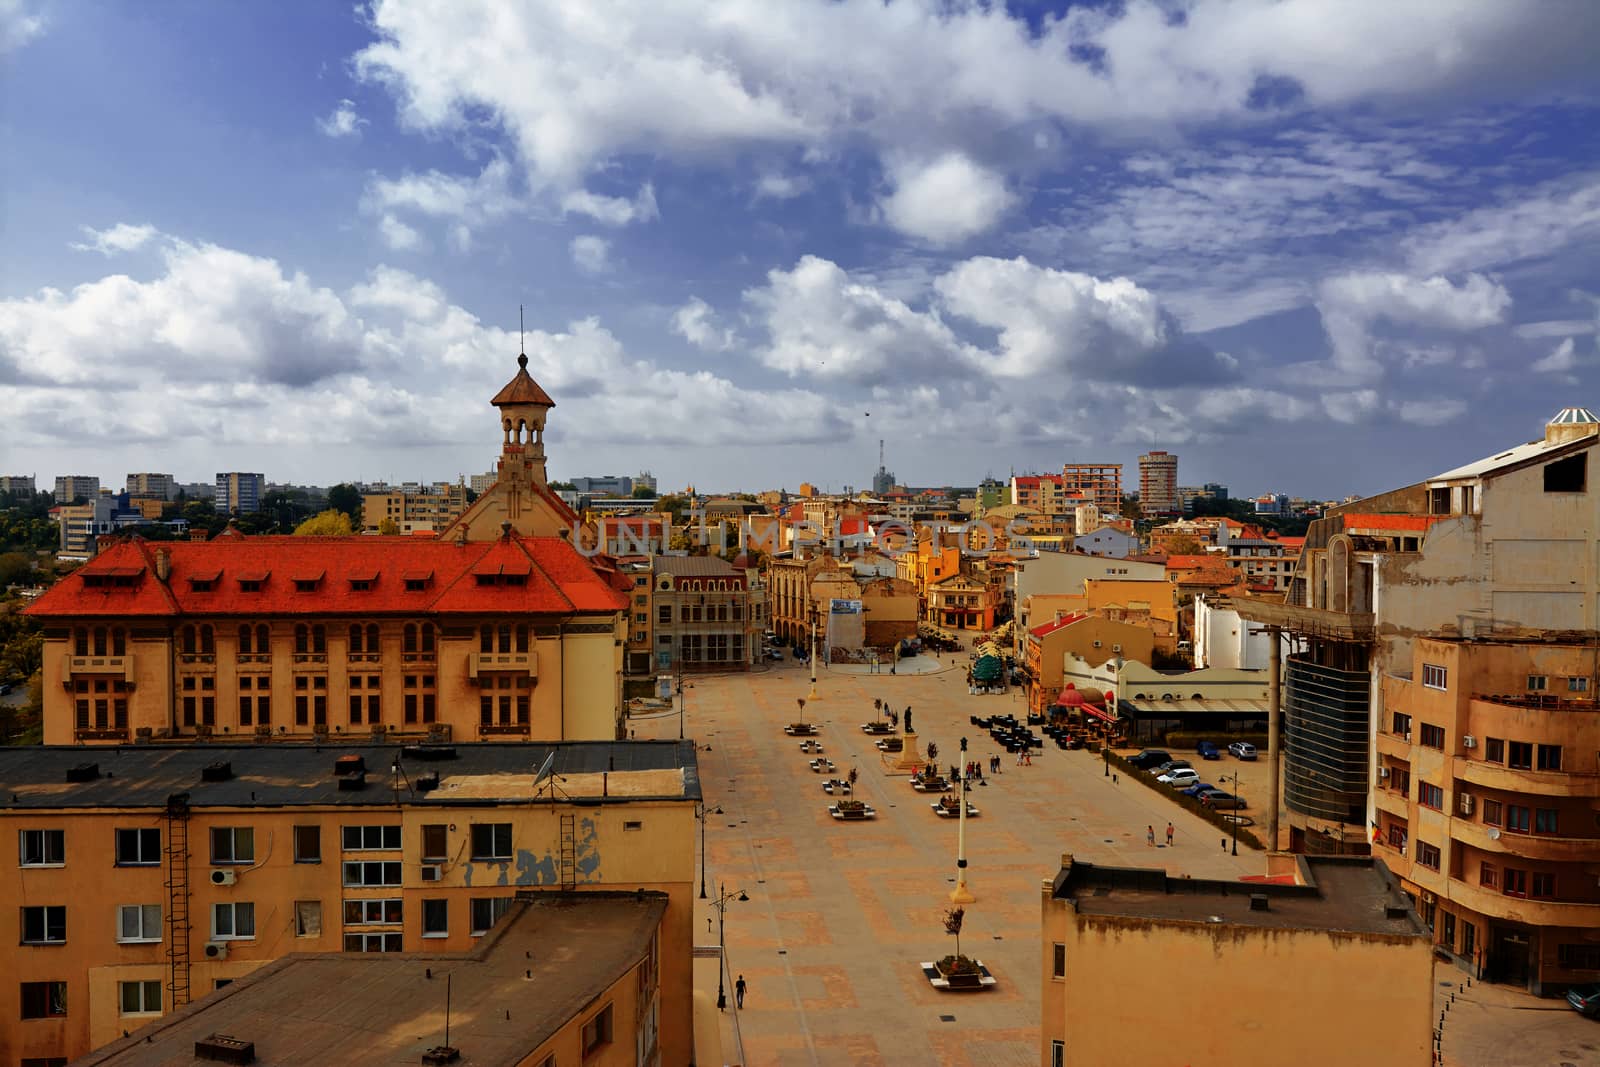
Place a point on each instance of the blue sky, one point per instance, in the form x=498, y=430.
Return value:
x=1311, y=247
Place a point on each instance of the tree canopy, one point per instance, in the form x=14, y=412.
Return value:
x=330, y=523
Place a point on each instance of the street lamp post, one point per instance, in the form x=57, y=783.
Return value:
x=724, y=898
x=813, y=694
x=961, y=894
x=702, y=816
x=1235, y=819
x=682, y=685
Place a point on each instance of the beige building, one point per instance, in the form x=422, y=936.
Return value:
x=414, y=512
x=148, y=876
x=1091, y=639
x=1158, y=483
x=1268, y=966
x=70, y=487
x=1486, y=795
x=703, y=614
x=1099, y=483
x=153, y=486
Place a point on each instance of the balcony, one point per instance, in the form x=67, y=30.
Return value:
x=1496, y=776
x=478, y=662
x=1530, y=910
x=197, y=657
x=113, y=733
x=503, y=729
x=1548, y=848
x=115, y=666
x=1393, y=802
x=1312, y=622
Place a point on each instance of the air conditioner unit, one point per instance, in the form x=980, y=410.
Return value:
x=1465, y=802
x=1468, y=741
x=1408, y=735
x=216, y=950
x=1383, y=772
x=223, y=877
x=430, y=872
x=1116, y=648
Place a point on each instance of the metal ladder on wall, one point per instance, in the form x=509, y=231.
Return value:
x=569, y=851
x=177, y=856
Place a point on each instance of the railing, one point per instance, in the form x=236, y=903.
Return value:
x=197, y=657
x=503, y=729
x=502, y=661
x=419, y=657
x=1537, y=702
x=366, y=657
x=103, y=734
x=255, y=657
x=311, y=657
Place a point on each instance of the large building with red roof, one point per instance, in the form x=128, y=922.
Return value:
x=498, y=629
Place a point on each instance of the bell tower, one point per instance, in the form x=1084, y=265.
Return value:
x=523, y=407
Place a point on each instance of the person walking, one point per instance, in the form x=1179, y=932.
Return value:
x=1150, y=836
x=738, y=992
x=1169, y=835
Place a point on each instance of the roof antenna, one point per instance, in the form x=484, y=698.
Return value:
x=522, y=341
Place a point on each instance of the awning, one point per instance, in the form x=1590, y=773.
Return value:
x=1098, y=713
x=986, y=669
x=252, y=576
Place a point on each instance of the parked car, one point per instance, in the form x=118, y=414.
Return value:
x=1242, y=750
x=1206, y=750
x=1170, y=765
x=1179, y=777
x=1148, y=758
x=1199, y=789
x=1585, y=999
x=1223, y=801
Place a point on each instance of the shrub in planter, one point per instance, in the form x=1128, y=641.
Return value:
x=952, y=965
x=850, y=805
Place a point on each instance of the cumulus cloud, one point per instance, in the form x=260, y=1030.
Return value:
x=342, y=121
x=946, y=200
x=115, y=240
x=1563, y=359
x=1351, y=303
x=20, y=22
x=613, y=210
x=590, y=254
x=397, y=235
x=465, y=202
x=698, y=324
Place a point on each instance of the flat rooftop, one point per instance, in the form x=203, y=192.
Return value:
x=547, y=960
x=287, y=774
x=1349, y=894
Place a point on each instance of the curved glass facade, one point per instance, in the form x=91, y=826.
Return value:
x=1325, y=740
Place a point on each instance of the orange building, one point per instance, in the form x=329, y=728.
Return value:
x=1090, y=638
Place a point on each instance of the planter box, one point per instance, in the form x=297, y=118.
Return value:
x=960, y=982
x=852, y=814
x=952, y=812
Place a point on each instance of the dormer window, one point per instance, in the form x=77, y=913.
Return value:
x=250, y=585
x=202, y=585
x=416, y=585
x=360, y=585
x=305, y=585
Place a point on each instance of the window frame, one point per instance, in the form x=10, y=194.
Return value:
x=144, y=987
x=387, y=836
x=494, y=831
x=234, y=909
x=1424, y=851
x=143, y=913
x=598, y=1030
x=1430, y=796
x=47, y=912
x=303, y=833
x=54, y=999
x=44, y=837
x=435, y=925
x=1058, y=960
x=1431, y=736
x=388, y=873
x=1435, y=676
x=235, y=857
x=496, y=907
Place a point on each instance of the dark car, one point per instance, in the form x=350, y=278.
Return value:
x=1199, y=789
x=1223, y=801
x=1585, y=999
x=1170, y=765
x=1149, y=758
x=1206, y=750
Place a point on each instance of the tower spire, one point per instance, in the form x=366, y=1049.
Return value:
x=522, y=341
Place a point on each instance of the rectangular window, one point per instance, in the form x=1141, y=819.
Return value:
x=388, y=912
x=372, y=942
x=1430, y=796
x=1432, y=736
x=664, y=613
x=1546, y=821
x=486, y=911
x=435, y=842
x=1428, y=855
x=1434, y=676
x=1491, y=812
x=1402, y=724
x=1494, y=749
x=1520, y=756
x=1447, y=931
x=1538, y=683
x=233, y=844
x=308, y=918
x=1058, y=1054
x=1489, y=876
x=597, y=1031
x=44, y=1000
x=491, y=841
x=44, y=925
x=1549, y=757
x=371, y=838
x=1577, y=685
x=1515, y=883
x=370, y=873
x=139, y=923
x=138, y=848
x=308, y=844
x=42, y=848
x=233, y=921
x=140, y=998
x=1519, y=819
x=1566, y=475
x=1542, y=886
x=436, y=918
x=1469, y=939
x=1058, y=967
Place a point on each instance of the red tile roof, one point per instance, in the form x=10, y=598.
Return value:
x=523, y=389
x=1051, y=627
x=1360, y=521
x=547, y=576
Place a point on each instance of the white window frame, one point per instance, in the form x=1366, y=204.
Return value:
x=143, y=920
x=1058, y=1053
x=42, y=839
x=442, y=902
x=375, y=912
x=233, y=909
x=372, y=873
x=494, y=829
x=369, y=838
x=144, y=985
x=375, y=942
x=140, y=837
x=235, y=836
x=1435, y=677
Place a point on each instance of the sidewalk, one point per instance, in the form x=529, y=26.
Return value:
x=716, y=1034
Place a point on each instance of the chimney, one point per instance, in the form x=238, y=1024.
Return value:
x=1258, y=902
x=163, y=564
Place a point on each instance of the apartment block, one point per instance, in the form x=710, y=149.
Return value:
x=149, y=876
x=1158, y=483
x=70, y=487
x=703, y=614
x=153, y=486
x=240, y=493
x=1100, y=483
x=16, y=483
x=420, y=510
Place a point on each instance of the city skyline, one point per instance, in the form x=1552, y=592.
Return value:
x=1278, y=244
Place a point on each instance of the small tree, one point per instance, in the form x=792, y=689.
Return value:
x=933, y=752
x=952, y=925
x=388, y=527
x=854, y=774
x=330, y=523
x=800, y=702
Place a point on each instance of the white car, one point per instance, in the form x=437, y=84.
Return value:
x=1180, y=777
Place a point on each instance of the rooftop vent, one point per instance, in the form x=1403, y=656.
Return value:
x=1258, y=902
x=1570, y=424
x=1394, y=911
x=428, y=782
x=349, y=765
x=83, y=772
x=220, y=1048
x=219, y=771
x=353, y=781
x=429, y=752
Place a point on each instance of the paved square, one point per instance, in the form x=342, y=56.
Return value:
x=840, y=915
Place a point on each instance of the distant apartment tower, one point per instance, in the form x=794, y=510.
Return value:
x=70, y=487
x=153, y=486
x=479, y=483
x=645, y=480
x=411, y=511
x=240, y=492
x=1158, y=483
x=1100, y=483
x=607, y=485
x=16, y=483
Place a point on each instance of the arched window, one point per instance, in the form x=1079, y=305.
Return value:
x=246, y=636
x=374, y=646
x=263, y=639
x=319, y=638
x=408, y=638
x=427, y=637
x=208, y=640
x=355, y=637
x=188, y=641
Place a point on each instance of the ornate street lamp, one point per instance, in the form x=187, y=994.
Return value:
x=724, y=898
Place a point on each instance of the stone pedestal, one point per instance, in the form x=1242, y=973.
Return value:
x=908, y=760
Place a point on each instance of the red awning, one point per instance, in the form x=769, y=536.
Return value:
x=1099, y=713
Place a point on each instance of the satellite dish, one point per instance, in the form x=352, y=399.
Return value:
x=1494, y=834
x=544, y=770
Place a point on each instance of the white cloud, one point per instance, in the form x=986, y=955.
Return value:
x=20, y=22
x=468, y=203
x=342, y=121
x=781, y=186
x=698, y=324
x=1563, y=359
x=946, y=200
x=613, y=210
x=1537, y=223
x=114, y=240
x=1351, y=303
x=1431, y=412
x=397, y=235
x=591, y=254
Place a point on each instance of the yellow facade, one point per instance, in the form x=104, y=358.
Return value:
x=1153, y=604
x=422, y=846
x=414, y=512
